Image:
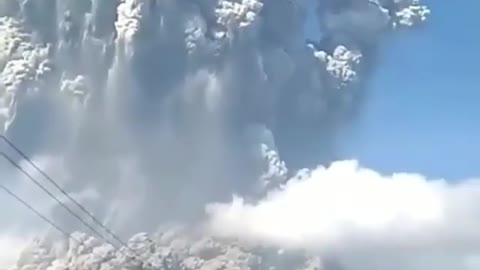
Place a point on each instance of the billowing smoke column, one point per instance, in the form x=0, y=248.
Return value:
x=168, y=105
x=363, y=219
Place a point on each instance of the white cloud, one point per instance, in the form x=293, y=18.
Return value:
x=361, y=215
x=10, y=247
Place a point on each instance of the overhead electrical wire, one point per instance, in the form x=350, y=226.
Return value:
x=40, y=215
x=51, y=195
x=53, y=182
x=56, y=185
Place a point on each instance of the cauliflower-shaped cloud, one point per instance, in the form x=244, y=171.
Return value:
x=172, y=88
x=182, y=251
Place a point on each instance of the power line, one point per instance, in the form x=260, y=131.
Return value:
x=53, y=182
x=135, y=257
x=17, y=166
x=31, y=178
x=31, y=208
x=40, y=215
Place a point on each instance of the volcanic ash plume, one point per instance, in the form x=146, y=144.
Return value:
x=179, y=95
x=148, y=110
x=364, y=219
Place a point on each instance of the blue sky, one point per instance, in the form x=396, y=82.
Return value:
x=424, y=113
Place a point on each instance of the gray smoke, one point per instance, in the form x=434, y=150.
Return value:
x=158, y=107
